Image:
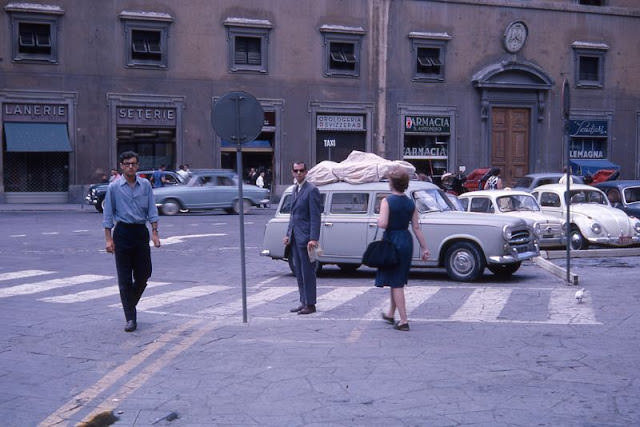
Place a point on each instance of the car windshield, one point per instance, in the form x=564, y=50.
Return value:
x=432, y=201
x=587, y=196
x=632, y=195
x=524, y=182
x=514, y=203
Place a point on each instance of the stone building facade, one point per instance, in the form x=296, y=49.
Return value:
x=440, y=83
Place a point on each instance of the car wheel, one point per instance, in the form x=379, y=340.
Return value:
x=246, y=206
x=170, y=207
x=578, y=242
x=100, y=206
x=504, y=270
x=348, y=268
x=464, y=262
x=317, y=265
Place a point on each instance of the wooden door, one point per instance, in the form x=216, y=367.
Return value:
x=510, y=142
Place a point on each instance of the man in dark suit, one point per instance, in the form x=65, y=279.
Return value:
x=303, y=234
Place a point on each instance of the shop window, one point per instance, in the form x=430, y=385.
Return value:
x=342, y=46
x=428, y=55
x=248, y=46
x=592, y=2
x=34, y=34
x=146, y=40
x=589, y=65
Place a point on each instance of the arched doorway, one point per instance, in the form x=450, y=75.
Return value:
x=513, y=97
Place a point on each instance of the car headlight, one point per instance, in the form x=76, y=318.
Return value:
x=596, y=228
x=637, y=227
x=506, y=233
x=564, y=226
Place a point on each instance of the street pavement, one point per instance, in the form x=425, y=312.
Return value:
x=521, y=352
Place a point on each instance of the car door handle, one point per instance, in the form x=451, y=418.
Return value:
x=372, y=225
x=328, y=224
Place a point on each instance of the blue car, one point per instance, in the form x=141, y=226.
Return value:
x=624, y=194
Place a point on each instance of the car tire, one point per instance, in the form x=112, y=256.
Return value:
x=504, y=270
x=170, y=207
x=246, y=206
x=577, y=240
x=464, y=262
x=100, y=206
x=317, y=265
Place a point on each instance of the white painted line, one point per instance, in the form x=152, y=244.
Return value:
x=167, y=298
x=483, y=305
x=23, y=274
x=340, y=296
x=180, y=239
x=417, y=295
x=18, y=235
x=253, y=301
x=50, y=233
x=564, y=309
x=32, y=288
x=93, y=294
x=80, y=231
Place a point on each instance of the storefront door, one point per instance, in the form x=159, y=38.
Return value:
x=510, y=142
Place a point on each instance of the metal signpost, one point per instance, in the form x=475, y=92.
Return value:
x=566, y=107
x=238, y=117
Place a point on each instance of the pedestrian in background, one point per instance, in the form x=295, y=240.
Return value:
x=129, y=205
x=303, y=233
x=396, y=212
x=494, y=182
x=114, y=175
x=158, y=178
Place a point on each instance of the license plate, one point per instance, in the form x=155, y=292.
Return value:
x=625, y=240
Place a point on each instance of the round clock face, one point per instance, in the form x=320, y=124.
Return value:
x=514, y=36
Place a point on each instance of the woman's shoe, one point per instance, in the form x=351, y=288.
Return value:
x=401, y=327
x=388, y=319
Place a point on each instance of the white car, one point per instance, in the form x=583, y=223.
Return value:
x=593, y=219
x=462, y=243
x=549, y=229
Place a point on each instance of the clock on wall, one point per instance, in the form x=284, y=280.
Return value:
x=514, y=36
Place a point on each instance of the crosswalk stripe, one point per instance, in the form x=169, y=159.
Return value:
x=92, y=294
x=23, y=274
x=416, y=296
x=564, y=309
x=483, y=305
x=46, y=285
x=253, y=301
x=154, y=301
x=340, y=296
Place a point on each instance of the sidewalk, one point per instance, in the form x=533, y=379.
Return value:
x=45, y=207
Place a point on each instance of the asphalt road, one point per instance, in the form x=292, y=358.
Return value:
x=517, y=352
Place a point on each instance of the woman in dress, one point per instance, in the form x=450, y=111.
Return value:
x=396, y=212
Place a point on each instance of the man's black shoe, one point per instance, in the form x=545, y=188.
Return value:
x=297, y=309
x=131, y=326
x=308, y=309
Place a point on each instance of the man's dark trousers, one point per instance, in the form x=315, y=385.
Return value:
x=305, y=272
x=133, y=262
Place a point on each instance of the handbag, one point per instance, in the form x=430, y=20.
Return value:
x=380, y=253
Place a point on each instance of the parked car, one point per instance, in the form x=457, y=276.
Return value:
x=462, y=243
x=549, y=229
x=209, y=189
x=533, y=180
x=593, y=219
x=623, y=195
x=95, y=194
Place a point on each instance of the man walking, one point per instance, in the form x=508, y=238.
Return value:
x=129, y=204
x=303, y=234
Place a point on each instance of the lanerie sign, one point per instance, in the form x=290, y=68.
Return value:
x=24, y=112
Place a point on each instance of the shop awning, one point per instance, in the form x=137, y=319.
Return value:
x=591, y=166
x=37, y=137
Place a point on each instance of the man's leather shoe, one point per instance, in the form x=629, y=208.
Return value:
x=131, y=326
x=297, y=309
x=308, y=309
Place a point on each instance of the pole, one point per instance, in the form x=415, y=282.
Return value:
x=566, y=107
x=237, y=99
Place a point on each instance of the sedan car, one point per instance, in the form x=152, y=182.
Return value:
x=533, y=180
x=593, y=220
x=95, y=194
x=210, y=189
x=462, y=243
x=549, y=229
x=623, y=195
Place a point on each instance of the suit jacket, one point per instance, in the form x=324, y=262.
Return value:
x=304, y=221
